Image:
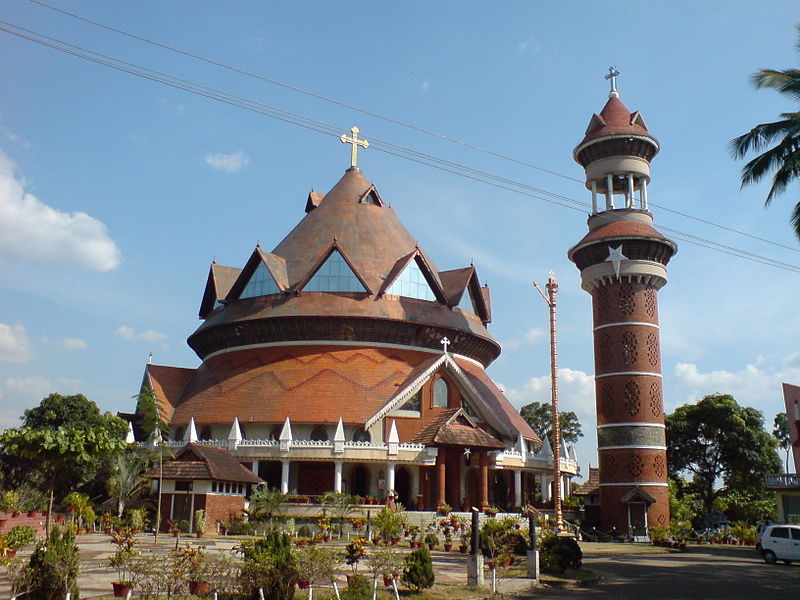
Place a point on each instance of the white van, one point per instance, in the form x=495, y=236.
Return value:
x=781, y=542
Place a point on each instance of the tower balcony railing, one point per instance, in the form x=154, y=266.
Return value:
x=782, y=481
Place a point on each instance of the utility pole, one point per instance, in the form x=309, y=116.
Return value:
x=550, y=299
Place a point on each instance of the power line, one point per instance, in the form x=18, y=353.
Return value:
x=333, y=131
x=375, y=115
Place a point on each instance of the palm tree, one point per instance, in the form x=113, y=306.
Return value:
x=126, y=480
x=784, y=157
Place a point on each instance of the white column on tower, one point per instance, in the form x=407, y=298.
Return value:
x=643, y=194
x=337, y=476
x=609, y=192
x=285, y=476
x=390, y=477
x=594, y=197
x=629, y=197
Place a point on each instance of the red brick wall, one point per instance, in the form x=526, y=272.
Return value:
x=7, y=521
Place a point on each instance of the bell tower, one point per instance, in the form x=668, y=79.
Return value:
x=623, y=262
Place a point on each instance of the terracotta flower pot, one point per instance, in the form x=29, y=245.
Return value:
x=448, y=547
x=200, y=534
x=302, y=584
x=431, y=546
x=121, y=589
x=387, y=581
x=463, y=548
x=199, y=588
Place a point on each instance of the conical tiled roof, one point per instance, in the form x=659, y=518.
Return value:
x=353, y=221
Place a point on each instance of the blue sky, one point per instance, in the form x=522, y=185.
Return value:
x=116, y=192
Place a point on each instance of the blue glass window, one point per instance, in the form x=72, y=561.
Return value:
x=335, y=275
x=412, y=284
x=261, y=283
x=440, y=393
x=466, y=303
x=414, y=402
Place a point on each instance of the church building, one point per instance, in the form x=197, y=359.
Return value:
x=345, y=360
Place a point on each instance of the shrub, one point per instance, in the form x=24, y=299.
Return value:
x=560, y=553
x=358, y=588
x=315, y=564
x=236, y=525
x=183, y=526
x=54, y=567
x=659, y=533
x=269, y=564
x=388, y=524
x=418, y=571
x=19, y=536
x=304, y=531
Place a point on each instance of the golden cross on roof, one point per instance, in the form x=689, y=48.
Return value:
x=355, y=142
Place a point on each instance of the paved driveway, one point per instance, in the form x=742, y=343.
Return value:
x=707, y=572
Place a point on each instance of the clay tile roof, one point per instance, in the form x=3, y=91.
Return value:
x=168, y=384
x=452, y=427
x=499, y=404
x=591, y=485
x=197, y=461
x=621, y=230
x=615, y=119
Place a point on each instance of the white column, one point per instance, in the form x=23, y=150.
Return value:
x=285, y=476
x=609, y=192
x=255, y=466
x=517, y=488
x=191, y=513
x=594, y=197
x=337, y=476
x=390, y=477
x=629, y=195
x=543, y=483
x=643, y=194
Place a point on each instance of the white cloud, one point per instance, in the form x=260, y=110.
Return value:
x=531, y=338
x=31, y=230
x=575, y=393
x=757, y=385
x=14, y=344
x=20, y=393
x=230, y=163
x=66, y=343
x=531, y=44
x=148, y=335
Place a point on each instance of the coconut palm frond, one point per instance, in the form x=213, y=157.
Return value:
x=788, y=172
x=762, y=135
x=796, y=220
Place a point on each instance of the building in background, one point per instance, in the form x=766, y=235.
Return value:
x=787, y=485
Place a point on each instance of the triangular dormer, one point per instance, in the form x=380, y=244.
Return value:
x=637, y=119
x=464, y=291
x=412, y=277
x=371, y=196
x=596, y=122
x=219, y=283
x=334, y=274
x=263, y=274
x=313, y=200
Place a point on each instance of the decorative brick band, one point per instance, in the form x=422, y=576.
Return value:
x=599, y=375
x=631, y=435
x=623, y=323
x=636, y=484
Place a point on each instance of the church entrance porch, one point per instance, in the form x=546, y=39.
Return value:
x=314, y=478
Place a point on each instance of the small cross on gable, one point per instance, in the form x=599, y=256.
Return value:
x=445, y=343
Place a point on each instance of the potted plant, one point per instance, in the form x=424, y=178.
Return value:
x=388, y=524
x=431, y=540
x=200, y=522
x=385, y=562
x=466, y=534
x=448, y=539
x=124, y=562
x=19, y=536
x=9, y=500
x=354, y=552
x=314, y=564
x=107, y=523
x=190, y=564
x=324, y=524
x=444, y=509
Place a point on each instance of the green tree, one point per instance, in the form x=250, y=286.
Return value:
x=784, y=157
x=126, y=480
x=76, y=412
x=540, y=417
x=148, y=414
x=781, y=432
x=716, y=439
x=61, y=454
x=266, y=502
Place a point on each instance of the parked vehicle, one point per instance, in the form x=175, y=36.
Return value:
x=760, y=527
x=781, y=542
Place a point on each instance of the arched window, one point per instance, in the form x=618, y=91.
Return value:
x=362, y=435
x=206, y=433
x=275, y=432
x=440, y=393
x=319, y=434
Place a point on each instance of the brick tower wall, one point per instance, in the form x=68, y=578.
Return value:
x=629, y=397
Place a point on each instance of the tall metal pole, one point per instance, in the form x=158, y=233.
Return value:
x=550, y=298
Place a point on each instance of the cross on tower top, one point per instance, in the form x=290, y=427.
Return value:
x=612, y=76
x=445, y=343
x=355, y=142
